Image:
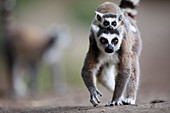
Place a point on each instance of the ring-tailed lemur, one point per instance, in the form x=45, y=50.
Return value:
x=108, y=18
x=24, y=47
x=113, y=18
x=113, y=56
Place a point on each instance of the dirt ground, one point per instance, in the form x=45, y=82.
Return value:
x=154, y=91
x=143, y=108
x=77, y=100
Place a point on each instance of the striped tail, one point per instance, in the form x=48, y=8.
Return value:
x=129, y=6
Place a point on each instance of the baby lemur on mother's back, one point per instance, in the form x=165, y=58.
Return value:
x=113, y=55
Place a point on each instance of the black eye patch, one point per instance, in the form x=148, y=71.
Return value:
x=114, y=23
x=115, y=41
x=105, y=23
x=103, y=40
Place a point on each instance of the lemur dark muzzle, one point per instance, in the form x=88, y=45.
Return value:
x=109, y=27
x=109, y=49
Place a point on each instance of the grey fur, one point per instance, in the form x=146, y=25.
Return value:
x=126, y=77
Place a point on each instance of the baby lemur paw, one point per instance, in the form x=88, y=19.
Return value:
x=128, y=101
x=94, y=92
x=114, y=103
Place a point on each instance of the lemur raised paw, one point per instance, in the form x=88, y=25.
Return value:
x=94, y=92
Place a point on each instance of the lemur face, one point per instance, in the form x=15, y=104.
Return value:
x=109, y=20
x=108, y=41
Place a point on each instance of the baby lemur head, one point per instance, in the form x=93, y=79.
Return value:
x=108, y=41
x=109, y=20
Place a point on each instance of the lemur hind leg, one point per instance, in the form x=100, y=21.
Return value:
x=132, y=86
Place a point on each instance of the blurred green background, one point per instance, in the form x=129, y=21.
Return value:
x=76, y=14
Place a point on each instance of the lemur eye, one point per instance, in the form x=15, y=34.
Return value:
x=115, y=41
x=106, y=23
x=103, y=40
x=114, y=23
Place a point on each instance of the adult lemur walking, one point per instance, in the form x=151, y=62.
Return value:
x=113, y=55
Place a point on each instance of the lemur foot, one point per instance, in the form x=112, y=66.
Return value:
x=114, y=103
x=128, y=101
x=94, y=96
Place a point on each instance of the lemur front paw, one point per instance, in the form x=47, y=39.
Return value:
x=94, y=92
x=114, y=103
x=128, y=101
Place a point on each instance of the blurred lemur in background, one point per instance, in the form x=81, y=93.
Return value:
x=26, y=46
x=114, y=51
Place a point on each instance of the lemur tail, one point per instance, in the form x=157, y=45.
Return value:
x=129, y=6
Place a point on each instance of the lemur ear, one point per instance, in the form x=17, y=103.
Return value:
x=120, y=17
x=95, y=28
x=98, y=16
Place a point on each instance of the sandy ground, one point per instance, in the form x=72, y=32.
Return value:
x=78, y=104
x=154, y=91
x=144, y=108
x=77, y=100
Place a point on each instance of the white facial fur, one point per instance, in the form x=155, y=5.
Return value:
x=109, y=37
x=95, y=29
x=109, y=19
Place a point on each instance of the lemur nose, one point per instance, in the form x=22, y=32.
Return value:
x=110, y=27
x=109, y=49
